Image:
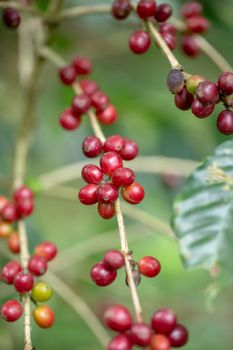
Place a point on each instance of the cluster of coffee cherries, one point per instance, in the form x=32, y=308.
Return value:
x=24, y=282
x=11, y=17
x=91, y=97
x=105, y=272
x=163, y=333
x=202, y=96
x=104, y=182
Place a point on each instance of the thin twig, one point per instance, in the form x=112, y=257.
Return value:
x=84, y=10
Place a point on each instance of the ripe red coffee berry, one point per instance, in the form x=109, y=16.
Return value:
x=140, y=334
x=106, y=210
x=139, y=42
x=120, y=342
x=113, y=143
x=170, y=40
x=89, y=86
x=67, y=74
x=160, y=342
x=146, y=8
x=88, y=194
x=37, y=265
x=11, y=310
x=184, y=100
x=175, y=81
x=191, y=9
x=207, y=92
x=9, y=271
x=9, y=213
x=13, y=243
x=23, y=282
x=107, y=193
x=163, y=12
x=11, y=17
x=121, y=9
x=81, y=104
x=133, y=194
x=47, y=250
x=109, y=162
x=179, y=336
x=163, y=321
x=118, y=318
x=23, y=192
x=82, y=65
x=198, y=24
x=24, y=207
x=225, y=83
x=101, y=275
x=44, y=316
x=114, y=259
x=69, y=121
x=92, y=174
x=123, y=177
x=129, y=150
x=190, y=46
x=225, y=122
x=201, y=110
x=108, y=115
x=99, y=100
x=92, y=146
x=167, y=28
x=149, y=266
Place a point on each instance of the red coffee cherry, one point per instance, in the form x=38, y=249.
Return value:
x=225, y=83
x=184, y=100
x=68, y=74
x=118, y=318
x=129, y=150
x=123, y=177
x=22, y=193
x=136, y=277
x=113, y=143
x=175, y=81
x=120, y=342
x=92, y=146
x=69, y=121
x=225, y=122
x=82, y=65
x=114, y=259
x=99, y=100
x=207, y=92
x=11, y=310
x=107, y=193
x=24, y=207
x=108, y=115
x=5, y=229
x=164, y=11
x=81, y=104
x=11, y=17
x=159, y=342
x=133, y=194
x=13, y=243
x=140, y=334
x=170, y=40
x=191, y=9
x=88, y=86
x=201, y=110
x=109, y=162
x=47, y=250
x=106, y=210
x=23, y=282
x=179, y=336
x=44, y=316
x=37, y=265
x=9, y=271
x=149, y=266
x=146, y=8
x=92, y=174
x=198, y=24
x=167, y=28
x=9, y=213
x=163, y=321
x=101, y=275
x=139, y=42
x=3, y=203
x=190, y=46
x=121, y=9
x=88, y=194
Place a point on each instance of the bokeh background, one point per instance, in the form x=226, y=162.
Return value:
x=136, y=85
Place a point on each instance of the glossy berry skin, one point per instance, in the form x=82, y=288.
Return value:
x=9, y=213
x=133, y=194
x=99, y=100
x=179, y=336
x=207, y=92
x=24, y=207
x=13, y=243
x=225, y=122
x=23, y=282
x=109, y=162
x=88, y=194
x=167, y=28
x=101, y=275
x=108, y=115
x=123, y=177
x=113, y=143
x=92, y=146
x=175, y=81
x=41, y=292
x=81, y=104
x=146, y=8
x=184, y=100
x=114, y=259
x=201, y=110
x=67, y=75
x=23, y=192
x=193, y=82
x=11, y=17
x=163, y=321
x=225, y=83
x=9, y=271
x=11, y=310
x=106, y=210
x=129, y=150
x=121, y=9
x=198, y=24
x=190, y=46
x=120, y=342
x=159, y=342
x=82, y=65
x=44, y=316
x=140, y=334
x=170, y=40
x=139, y=42
x=5, y=229
x=191, y=9
x=92, y=174
x=107, y=193
x=89, y=86
x=118, y=318
x=47, y=250
x=163, y=12
x=149, y=266
x=69, y=121
x=37, y=265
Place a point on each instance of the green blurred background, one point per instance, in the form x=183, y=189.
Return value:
x=136, y=85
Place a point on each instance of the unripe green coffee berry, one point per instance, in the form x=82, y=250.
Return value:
x=41, y=292
x=193, y=82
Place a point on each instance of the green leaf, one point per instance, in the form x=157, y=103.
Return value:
x=203, y=215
